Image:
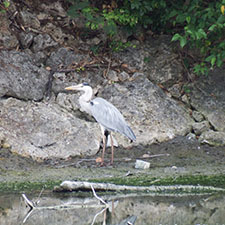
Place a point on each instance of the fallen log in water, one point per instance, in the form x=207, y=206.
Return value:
x=87, y=186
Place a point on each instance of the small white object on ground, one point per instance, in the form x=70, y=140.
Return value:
x=140, y=164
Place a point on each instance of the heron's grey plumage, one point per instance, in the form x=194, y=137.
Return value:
x=110, y=117
x=106, y=114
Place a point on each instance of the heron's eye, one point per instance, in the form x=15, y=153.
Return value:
x=85, y=84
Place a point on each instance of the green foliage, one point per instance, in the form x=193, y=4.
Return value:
x=203, y=29
x=196, y=24
x=4, y=5
x=118, y=13
x=186, y=89
x=117, y=46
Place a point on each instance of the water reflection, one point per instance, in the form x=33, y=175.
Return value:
x=207, y=209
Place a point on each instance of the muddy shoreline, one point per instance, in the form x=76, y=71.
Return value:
x=179, y=157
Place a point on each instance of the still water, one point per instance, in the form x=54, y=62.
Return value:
x=139, y=210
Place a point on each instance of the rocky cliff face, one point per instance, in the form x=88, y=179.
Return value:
x=144, y=83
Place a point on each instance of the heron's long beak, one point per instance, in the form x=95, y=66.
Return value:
x=72, y=88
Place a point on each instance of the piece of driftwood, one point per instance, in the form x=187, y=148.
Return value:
x=87, y=186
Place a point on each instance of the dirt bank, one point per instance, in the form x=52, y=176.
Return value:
x=170, y=161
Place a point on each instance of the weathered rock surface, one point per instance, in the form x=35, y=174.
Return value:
x=26, y=39
x=156, y=58
x=29, y=19
x=63, y=57
x=200, y=127
x=20, y=77
x=214, y=138
x=208, y=97
x=43, y=130
x=152, y=115
x=198, y=117
x=42, y=42
x=7, y=39
x=58, y=128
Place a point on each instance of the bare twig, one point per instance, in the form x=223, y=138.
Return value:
x=108, y=68
x=154, y=156
x=28, y=202
x=28, y=215
x=39, y=196
x=100, y=199
x=96, y=215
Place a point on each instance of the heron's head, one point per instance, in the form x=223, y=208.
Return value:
x=80, y=87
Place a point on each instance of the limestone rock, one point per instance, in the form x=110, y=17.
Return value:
x=152, y=115
x=56, y=33
x=215, y=138
x=197, y=116
x=164, y=67
x=208, y=97
x=42, y=42
x=29, y=19
x=26, y=39
x=112, y=76
x=175, y=90
x=201, y=127
x=53, y=9
x=63, y=56
x=20, y=78
x=185, y=99
x=42, y=130
x=7, y=39
x=191, y=136
x=133, y=57
x=2, y=139
x=123, y=76
x=156, y=58
x=68, y=101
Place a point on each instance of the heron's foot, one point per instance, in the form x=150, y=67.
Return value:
x=107, y=164
x=102, y=164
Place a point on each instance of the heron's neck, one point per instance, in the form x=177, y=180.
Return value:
x=85, y=99
x=87, y=96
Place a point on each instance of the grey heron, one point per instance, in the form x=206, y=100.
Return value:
x=106, y=114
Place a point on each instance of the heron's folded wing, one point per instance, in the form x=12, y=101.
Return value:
x=109, y=117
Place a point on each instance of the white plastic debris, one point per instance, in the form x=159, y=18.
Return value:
x=140, y=164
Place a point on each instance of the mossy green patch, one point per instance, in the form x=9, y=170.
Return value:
x=204, y=180
x=27, y=186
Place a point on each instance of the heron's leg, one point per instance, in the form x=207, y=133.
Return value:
x=103, y=150
x=112, y=148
